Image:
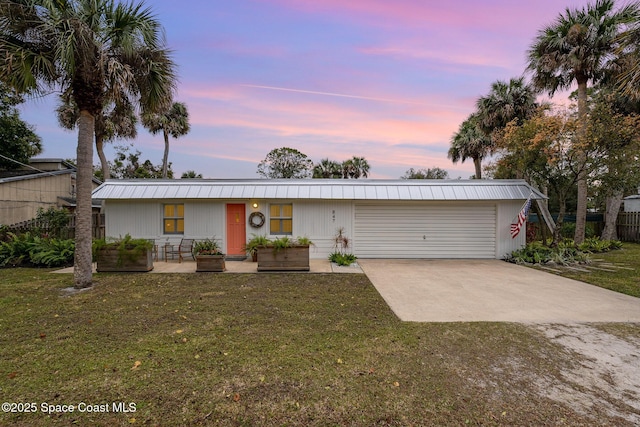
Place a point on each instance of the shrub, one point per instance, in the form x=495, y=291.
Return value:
x=14, y=251
x=52, y=252
x=565, y=253
x=28, y=249
x=342, y=259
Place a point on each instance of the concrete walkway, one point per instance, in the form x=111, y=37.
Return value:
x=189, y=266
x=492, y=290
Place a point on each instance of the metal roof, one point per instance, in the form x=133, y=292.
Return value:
x=317, y=189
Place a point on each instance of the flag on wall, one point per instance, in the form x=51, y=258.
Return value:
x=522, y=218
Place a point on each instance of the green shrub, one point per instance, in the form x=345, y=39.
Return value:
x=342, y=259
x=565, y=253
x=28, y=249
x=14, y=251
x=52, y=252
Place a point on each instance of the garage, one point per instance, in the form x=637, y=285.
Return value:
x=425, y=230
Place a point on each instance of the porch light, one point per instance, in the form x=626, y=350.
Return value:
x=255, y=205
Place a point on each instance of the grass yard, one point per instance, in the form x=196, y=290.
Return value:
x=626, y=278
x=264, y=350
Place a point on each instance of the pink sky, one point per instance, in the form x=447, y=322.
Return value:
x=387, y=80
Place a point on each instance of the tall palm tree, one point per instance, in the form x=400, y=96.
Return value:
x=507, y=101
x=469, y=142
x=355, y=168
x=115, y=121
x=574, y=49
x=97, y=50
x=174, y=122
x=327, y=169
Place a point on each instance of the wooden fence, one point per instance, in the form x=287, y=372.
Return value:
x=629, y=226
x=66, y=232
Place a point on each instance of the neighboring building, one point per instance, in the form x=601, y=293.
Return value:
x=48, y=183
x=383, y=218
x=632, y=203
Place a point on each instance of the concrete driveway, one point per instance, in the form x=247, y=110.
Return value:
x=492, y=290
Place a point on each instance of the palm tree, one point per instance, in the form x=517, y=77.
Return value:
x=355, y=168
x=115, y=121
x=574, y=49
x=470, y=143
x=191, y=174
x=514, y=100
x=627, y=68
x=174, y=122
x=96, y=49
x=327, y=169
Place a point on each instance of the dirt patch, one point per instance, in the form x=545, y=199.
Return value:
x=605, y=376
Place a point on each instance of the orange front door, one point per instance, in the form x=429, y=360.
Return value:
x=236, y=229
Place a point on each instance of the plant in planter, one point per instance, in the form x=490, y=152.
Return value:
x=208, y=256
x=285, y=254
x=256, y=241
x=123, y=254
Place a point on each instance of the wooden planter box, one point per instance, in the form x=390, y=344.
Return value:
x=109, y=260
x=210, y=263
x=294, y=258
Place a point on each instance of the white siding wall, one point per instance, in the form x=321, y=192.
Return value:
x=319, y=221
x=507, y=212
x=137, y=218
x=205, y=220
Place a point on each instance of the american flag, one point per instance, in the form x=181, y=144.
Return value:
x=522, y=218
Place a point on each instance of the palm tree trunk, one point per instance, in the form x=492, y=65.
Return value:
x=106, y=174
x=478, y=164
x=581, y=209
x=84, y=174
x=165, y=159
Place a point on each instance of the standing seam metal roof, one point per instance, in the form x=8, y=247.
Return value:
x=317, y=189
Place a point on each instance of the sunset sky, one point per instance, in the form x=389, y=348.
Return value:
x=387, y=80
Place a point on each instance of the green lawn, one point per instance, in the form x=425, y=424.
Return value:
x=263, y=350
x=625, y=280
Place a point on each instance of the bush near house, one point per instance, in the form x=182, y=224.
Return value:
x=28, y=249
x=566, y=253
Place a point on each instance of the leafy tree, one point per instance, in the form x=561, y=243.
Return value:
x=174, y=122
x=574, y=49
x=285, y=163
x=614, y=143
x=99, y=50
x=114, y=121
x=355, y=168
x=327, y=169
x=469, y=142
x=431, y=173
x=127, y=165
x=19, y=140
x=541, y=150
x=191, y=174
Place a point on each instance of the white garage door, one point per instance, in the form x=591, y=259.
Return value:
x=425, y=230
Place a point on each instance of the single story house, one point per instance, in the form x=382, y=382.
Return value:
x=382, y=218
